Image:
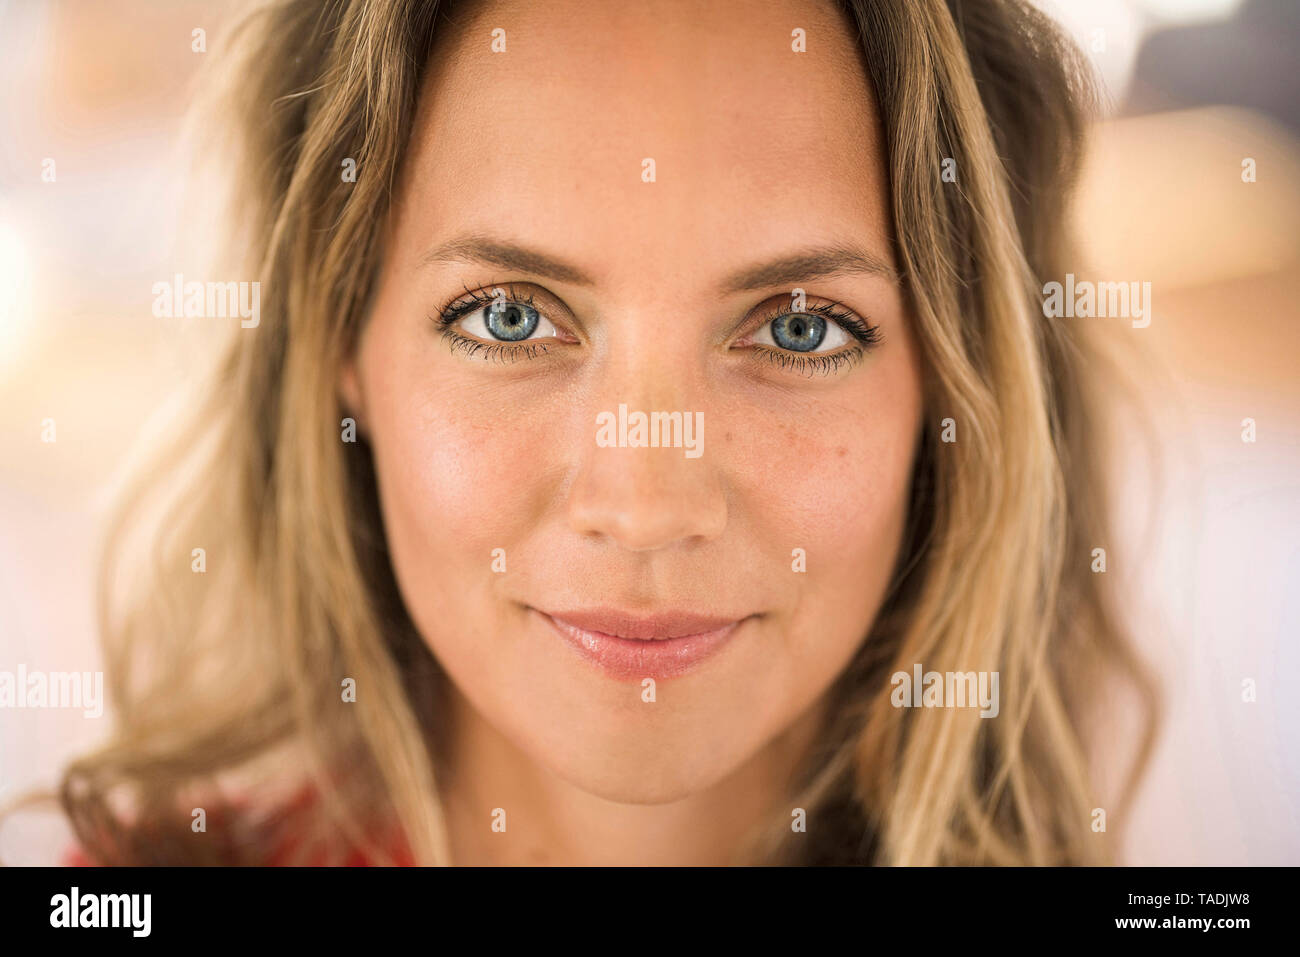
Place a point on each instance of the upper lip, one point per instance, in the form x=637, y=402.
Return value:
x=624, y=624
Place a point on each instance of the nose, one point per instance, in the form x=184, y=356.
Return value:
x=639, y=493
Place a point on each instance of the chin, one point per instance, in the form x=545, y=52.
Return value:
x=658, y=769
x=636, y=786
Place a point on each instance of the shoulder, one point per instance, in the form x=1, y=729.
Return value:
x=74, y=856
x=298, y=842
x=288, y=835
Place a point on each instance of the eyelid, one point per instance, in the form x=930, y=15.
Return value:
x=860, y=331
x=473, y=299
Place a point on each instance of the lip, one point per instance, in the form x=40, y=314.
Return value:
x=626, y=645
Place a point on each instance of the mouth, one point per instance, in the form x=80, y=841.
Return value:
x=629, y=646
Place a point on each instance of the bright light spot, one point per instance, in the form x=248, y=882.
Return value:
x=1187, y=11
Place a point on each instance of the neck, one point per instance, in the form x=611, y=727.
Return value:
x=549, y=821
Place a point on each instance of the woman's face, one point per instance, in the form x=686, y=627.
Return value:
x=635, y=195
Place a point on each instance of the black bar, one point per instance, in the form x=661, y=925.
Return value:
x=304, y=906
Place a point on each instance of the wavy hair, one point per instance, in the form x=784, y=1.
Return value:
x=229, y=680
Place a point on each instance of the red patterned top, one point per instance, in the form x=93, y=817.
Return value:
x=288, y=849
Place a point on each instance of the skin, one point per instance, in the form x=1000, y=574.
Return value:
x=761, y=154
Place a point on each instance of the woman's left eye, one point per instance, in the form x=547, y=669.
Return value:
x=503, y=320
x=801, y=332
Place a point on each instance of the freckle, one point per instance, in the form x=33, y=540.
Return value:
x=842, y=451
x=728, y=436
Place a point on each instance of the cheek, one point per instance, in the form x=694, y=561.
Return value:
x=459, y=476
x=836, y=490
x=837, y=487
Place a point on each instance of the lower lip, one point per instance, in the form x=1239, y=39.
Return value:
x=629, y=658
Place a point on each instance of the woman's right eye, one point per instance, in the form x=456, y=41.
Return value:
x=506, y=320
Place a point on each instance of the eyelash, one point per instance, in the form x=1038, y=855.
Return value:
x=866, y=334
x=473, y=299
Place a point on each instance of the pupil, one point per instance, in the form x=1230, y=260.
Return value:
x=799, y=333
x=511, y=321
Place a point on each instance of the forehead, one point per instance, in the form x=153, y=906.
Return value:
x=756, y=148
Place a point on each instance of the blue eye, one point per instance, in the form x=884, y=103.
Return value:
x=506, y=320
x=801, y=332
x=511, y=321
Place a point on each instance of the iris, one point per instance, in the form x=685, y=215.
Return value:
x=511, y=321
x=798, y=331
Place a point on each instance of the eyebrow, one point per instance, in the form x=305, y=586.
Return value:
x=492, y=252
x=818, y=263
x=810, y=264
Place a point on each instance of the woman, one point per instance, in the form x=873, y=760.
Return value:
x=647, y=401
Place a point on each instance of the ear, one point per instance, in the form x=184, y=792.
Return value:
x=351, y=396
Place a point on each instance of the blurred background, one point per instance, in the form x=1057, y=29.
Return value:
x=1207, y=560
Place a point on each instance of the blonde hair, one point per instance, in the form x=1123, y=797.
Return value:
x=228, y=675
